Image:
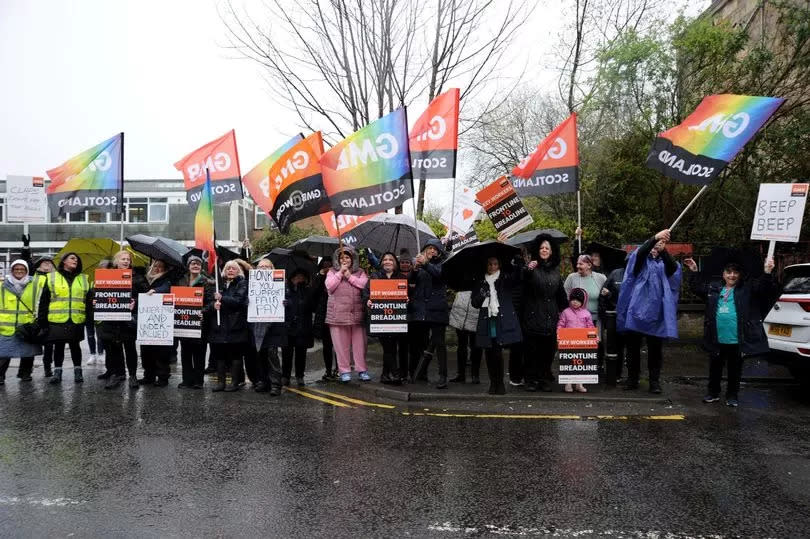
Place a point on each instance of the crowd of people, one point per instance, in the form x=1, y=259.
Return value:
x=517, y=304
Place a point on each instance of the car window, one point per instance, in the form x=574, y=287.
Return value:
x=797, y=281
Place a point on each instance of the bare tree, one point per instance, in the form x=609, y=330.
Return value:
x=344, y=63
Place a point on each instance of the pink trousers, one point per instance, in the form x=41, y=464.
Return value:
x=345, y=338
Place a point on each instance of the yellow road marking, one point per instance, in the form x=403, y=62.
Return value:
x=548, y=416
x=351, y=400
x=318, y=398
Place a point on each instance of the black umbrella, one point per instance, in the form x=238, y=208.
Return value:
x=391, y=232
x=290, y=260
x=611, y=257
x=467, y=266
x=526, y=239
x=750, y=262
x=159, y=248
x=320, y=246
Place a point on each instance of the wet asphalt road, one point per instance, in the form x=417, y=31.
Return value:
x=80, y=461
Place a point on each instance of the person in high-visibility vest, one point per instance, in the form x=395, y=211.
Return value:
x=63, y=309
x=17, y=295
x=42, y=266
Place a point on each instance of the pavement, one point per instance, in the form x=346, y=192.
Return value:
x=332, y=460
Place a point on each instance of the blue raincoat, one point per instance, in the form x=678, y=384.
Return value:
x=648, y=302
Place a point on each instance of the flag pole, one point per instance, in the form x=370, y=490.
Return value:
x=771, y=250
x=415, y=222
x=213, y=239
x=121, y=194
x=247, y=236
x=449, y=246
x=579, y=220
x=340, y=238
x=686, y=209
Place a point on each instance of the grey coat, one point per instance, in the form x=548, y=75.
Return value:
x=463, y=315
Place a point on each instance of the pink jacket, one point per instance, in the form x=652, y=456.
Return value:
x=345, y=306
x=579, y=318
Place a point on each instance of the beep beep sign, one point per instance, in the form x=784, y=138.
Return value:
x=779, y=211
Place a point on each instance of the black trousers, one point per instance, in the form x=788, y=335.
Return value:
x=428, y=335
x=729, y=355
x=538, y=356
x=395, y=354
x=655, y=356
x=131, y=356
x=516, y=371
x=269, y=366
x=466, y=348
x=250, y=357
x=192, y=359
x=328, y=352
x=155, y=360
x=47, y=355
x=114, y=358
x=59, y=353
x=287, y=353
x=26, y=366
x=494, y=358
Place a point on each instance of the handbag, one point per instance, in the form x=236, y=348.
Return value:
x=32, y=332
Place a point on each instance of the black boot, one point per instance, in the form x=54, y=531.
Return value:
x=220, y=385
x=77, y=375
x=236, y=372
x=57, y=376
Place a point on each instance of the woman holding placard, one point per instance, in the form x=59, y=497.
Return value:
x=228, y=333
x=192, y=351
x=156, y=358
x=345, y=313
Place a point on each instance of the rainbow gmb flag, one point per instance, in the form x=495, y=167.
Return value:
x=370, y=170
x=257, y=182
x=698, y=149
x=204, y=238
x=92, y=180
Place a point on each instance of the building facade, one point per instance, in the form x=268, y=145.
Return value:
x=153, y=207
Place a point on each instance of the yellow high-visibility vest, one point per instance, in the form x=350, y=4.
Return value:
x=15, y=311
x=67, y=301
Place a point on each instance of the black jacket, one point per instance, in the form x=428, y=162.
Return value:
x=613, y=285
x=233, y=315
x=298, y=314
x=544, y=295
x=751, y=300
x=507, y=325
x=320, y=297
x=428, y=302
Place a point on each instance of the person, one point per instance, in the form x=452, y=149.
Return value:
x=319, y=328
x=517, y=372
x=608, y=297
x=588, y=280
x=64, y=307
x=498, y=324
x=345, y=313
x=545, y=298
x=464, y=318
x=298, y=318
x=42, y=267
x=118, y=337
x=429, y=312
x=732, y=328
x=267, y=337
x=648, y=306
x=193, y=351
x=576, y=316
x=17, y=307
x=156, y=359
x=394, y=345
x=229, y=335
x=405, y=262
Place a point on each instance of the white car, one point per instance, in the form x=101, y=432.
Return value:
x=788, y=323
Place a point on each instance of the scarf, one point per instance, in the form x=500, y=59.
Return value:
x=17, y=285
x=491, y=303
x=152, y=277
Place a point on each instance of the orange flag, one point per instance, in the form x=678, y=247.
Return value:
x=222, y=161
x=552, y=167
x=434, y=138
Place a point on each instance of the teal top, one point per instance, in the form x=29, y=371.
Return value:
x=726, y=317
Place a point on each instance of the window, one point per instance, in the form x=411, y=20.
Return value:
x=2, y=208
x=158, y=210
x=77, y=217
x=137, y=210
x=260, y=219
x=96, y=217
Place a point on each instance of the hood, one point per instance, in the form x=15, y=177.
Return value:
x=350, y=250
x=554, y=260
x=435, y=242
x=61, y=267
x=584, y=294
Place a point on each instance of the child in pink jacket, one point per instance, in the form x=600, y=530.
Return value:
x=576, y=316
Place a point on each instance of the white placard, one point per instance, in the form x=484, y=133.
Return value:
x=25, y=200
x=156, y=319
x=779, y=211
x=466, y=211
x=266, y=292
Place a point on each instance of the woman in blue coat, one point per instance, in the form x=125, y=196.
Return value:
x=732, y=325
x=498, y=324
